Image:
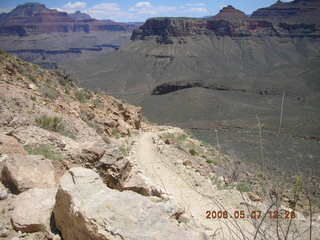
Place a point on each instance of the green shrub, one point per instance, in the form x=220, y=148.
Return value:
x=44, y=150
x=244, y=187
x=181, y=139
x=124, y=150
x=31, y=77
x=210, y=161
x=83, y=95
x=54, y=124
x=193, y=152
x=98, y=104
x=67, y=88
x=63, y=78
x=50, y=123
x=116, y=133
x=49, y=92
x=168, y=135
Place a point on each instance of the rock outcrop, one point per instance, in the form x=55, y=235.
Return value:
x=231, y=14
x=33, y=210
x=10, y=146
x=81, y=113
x=267, y=22
x=21, y=173
x=297, y=10
x=214, y=75
x=35, y=18
x=152, y=185
x=47, y=126
x=79, y=16
x=87, y=209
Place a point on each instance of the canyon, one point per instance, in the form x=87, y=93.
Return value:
x=48, y=36
x=181, y=128
x=227, y=73
x=75, y=164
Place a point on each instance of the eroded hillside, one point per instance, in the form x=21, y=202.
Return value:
x=253, y=79
x=81, y=165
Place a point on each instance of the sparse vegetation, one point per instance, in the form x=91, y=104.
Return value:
x=44, y=150
x=50, y=123
x=211, y=161
x=181, y=139
x=67, y=89
x=116, y=133
x=64, y=79
x=49, y=92
x=193, y=152
x=31, y=78
x=83, y=95
x=244, y=187
x=54, y=124
x=98, y=104
x=88, y=118
x=124, y=149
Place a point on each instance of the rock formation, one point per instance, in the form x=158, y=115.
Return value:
x=297, y=10
x=21, y=173
x=35, y=18
x=33, y=210
x=116, y=180
x=86, y=209
x=79, y=16
x=231, y=22
x=220, y=72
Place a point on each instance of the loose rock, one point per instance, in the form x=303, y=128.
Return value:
x=10, y=146
x=21, y=173
x=3, y=194
x=33, y=210
x=254, y=197
x=87, y=209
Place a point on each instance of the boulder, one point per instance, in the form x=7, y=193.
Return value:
x=10, y=146
x=3, y=158
x=114, y=168
x=254, y=197
x=122, y=173
x=33, y=210
x=21, y=173
x=87, y=209
x=4, y=232
x=91, y=153
x=139, y=183
x=3, y=192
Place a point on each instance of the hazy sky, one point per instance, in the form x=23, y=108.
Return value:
x=135, y=10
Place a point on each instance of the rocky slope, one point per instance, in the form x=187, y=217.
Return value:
x=225, y=72
x=81, y=165
x=240, y=48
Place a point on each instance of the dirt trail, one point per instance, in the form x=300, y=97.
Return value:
x=162, y=172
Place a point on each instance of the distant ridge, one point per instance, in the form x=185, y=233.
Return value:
x=78, y=16
x=297, y=10
x=230, y=13
x=36, y=18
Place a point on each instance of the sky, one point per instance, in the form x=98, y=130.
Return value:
x=135, y=10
